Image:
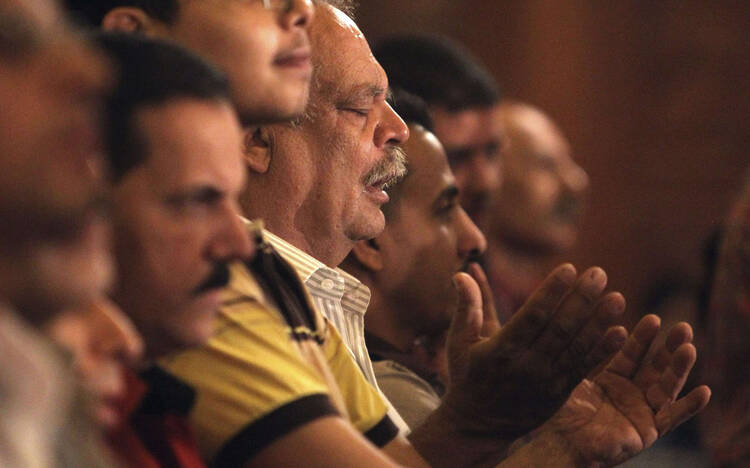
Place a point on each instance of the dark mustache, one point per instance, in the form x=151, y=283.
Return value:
x=568, y=207
x=474, y=257
x=218, y=278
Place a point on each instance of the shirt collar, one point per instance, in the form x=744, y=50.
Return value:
x=306, y=264
x=155, y=391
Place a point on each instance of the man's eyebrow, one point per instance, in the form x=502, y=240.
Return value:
x=204, y=193
x=448, y=193
x=365, y=91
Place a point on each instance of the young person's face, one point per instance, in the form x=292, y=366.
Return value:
x=264, y=51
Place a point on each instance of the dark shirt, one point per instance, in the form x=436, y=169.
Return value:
x=381, y=350
x=154, y=432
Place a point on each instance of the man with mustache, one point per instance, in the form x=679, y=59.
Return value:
x=54, y=242
x=537, y=209
x=409, y=268
x=315, y=184
x=461, y=95
x=173, y=144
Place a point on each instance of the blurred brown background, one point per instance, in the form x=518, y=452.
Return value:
x=653, y=95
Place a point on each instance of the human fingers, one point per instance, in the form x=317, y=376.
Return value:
x=595, y=342
x=630, y=358
x=466, y=325
x=672, y=378
x=528, y=323
x=661, y=355
x=490, y=324
x=671, y=416
x=575, y=310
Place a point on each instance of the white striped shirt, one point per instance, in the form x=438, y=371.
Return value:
x=343, y=300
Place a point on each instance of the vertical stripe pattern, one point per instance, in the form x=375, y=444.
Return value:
x=342, y=299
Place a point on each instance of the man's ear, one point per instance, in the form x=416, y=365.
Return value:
x=368, y=255
x=257, y=149
x=130, y=19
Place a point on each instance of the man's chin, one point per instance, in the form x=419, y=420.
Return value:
x=283, y=107
x=200, y=322
x=367, y=229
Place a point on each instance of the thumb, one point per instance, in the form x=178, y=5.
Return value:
x=466, y=326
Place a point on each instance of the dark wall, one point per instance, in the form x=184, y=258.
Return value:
x=654, y=96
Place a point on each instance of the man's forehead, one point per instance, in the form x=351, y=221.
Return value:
x=344, y=22
x=341, y=53
x=38, y=12
x=428, y=165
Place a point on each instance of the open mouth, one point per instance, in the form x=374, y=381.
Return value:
x=387, y=172
x=382, y=184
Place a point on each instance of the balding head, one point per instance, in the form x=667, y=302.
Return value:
x=539, y=203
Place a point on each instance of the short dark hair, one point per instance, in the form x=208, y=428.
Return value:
x=152, y=72
x=411, y=108
x=92, y=12
x=438, y=70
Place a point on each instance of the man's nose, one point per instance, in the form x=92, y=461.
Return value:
x=471, y=241
x=115, y=333
x=232, y=239
x=391, y=129
x=299, y=14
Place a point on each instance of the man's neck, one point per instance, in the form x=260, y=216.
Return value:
x=323, y=248
x=381, y=320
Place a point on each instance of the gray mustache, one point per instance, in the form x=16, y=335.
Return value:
x=391, y=169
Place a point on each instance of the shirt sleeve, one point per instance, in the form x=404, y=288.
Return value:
x=413, y=397
x=252, y=384
x=367, y=410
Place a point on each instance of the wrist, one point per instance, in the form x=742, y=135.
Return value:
x=479, y=421
x=550, y=448
x=444, y=443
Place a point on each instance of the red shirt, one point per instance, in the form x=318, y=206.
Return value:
x=154, y=432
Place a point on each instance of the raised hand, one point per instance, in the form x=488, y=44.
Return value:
x=510, y=382
x=631, y=403
x=490, y=323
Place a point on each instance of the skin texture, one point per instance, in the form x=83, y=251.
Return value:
x=626, y=407
x=473, y=140
x=53, y=250
x=177, y=220
x=315, y=200
x=264, y=52
x=308, y=181
x=607, y=420
x=101, y=339
x=428, y=238
x=539, y=203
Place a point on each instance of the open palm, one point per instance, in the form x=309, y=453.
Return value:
x=632, y=402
